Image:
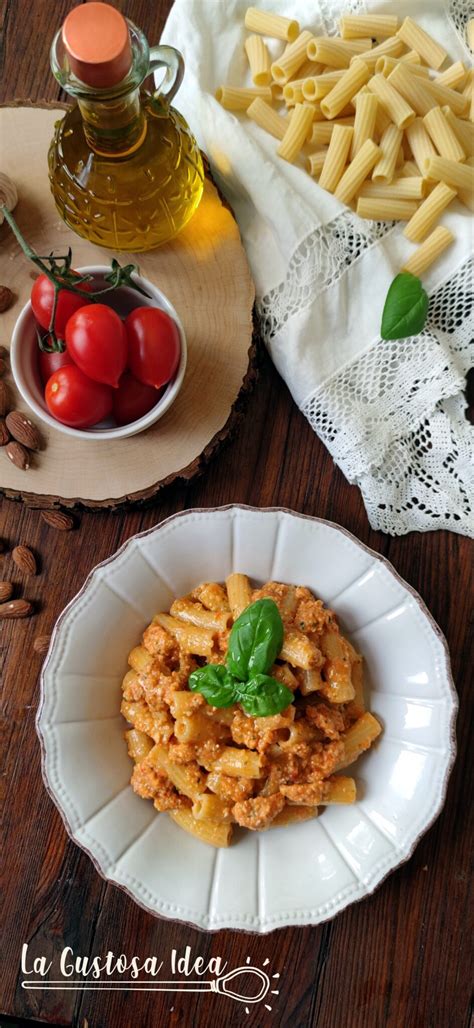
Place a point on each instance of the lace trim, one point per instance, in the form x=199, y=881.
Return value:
x=460, y=12
x=394, y=420
x=319, y=262
x=330, y=20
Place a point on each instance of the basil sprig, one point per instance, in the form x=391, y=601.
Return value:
x=255, y=641
x=406, y=308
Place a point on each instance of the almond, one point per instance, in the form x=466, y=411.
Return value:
x=18, y=455
x=16, y=609
x=6, y=298
x=4, y=433
x=41, y=644
x=23, y=430
x=4, y=399
x=3, y=366
x=4, y=352
x=57, y=519
x=24, y=560
x=6, y=590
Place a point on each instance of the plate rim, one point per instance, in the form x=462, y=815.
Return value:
x=309, y=918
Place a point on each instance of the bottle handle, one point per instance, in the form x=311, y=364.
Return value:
x=170, y=58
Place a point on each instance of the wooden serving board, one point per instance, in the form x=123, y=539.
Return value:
x=204, y=273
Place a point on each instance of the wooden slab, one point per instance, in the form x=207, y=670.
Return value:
x=204, y=273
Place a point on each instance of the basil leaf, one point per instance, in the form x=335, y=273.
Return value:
x=263, y=696
x=215, y=683
x=405, y=309
x=255, y=640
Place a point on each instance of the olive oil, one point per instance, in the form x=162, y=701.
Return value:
x=125, y=170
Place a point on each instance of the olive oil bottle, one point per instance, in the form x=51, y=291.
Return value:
x=125, y=170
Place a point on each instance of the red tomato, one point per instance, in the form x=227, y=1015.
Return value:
x=42, y=298
x=133, y=399
x=97, y=342
x=154, y=345
x=49, y=362
x=76, y=400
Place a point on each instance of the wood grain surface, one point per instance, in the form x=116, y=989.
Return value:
x=399, y=959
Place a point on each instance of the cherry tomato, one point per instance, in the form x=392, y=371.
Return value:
x=76, y=400
x=97, y=342
x=133, y=399
x=42, y=298
x=153, y=345
x=49, y=362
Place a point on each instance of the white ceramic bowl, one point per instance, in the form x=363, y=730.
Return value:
x=25, y=371
x=303, y=874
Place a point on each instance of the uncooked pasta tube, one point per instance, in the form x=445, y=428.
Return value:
x=428, y=214
x=355, y=77
x=385, y=210
x=268, y=119
x=365, y=120
x=384, y=170
x=267, y=24
x=353, y=26
x=393, y=103
x=299, y=124
x=444, y=139
x=336, y=157
x=415, y=38
x=357, y=171
x=429, y=251
x=259, y=60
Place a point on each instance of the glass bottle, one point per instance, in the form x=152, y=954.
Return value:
x=125, y=170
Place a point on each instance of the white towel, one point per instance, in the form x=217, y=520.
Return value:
x=391, y=413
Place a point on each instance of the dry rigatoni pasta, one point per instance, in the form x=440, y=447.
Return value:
x=316, y=87
x=357, y=171
x=353, y=26
x=421, y=145
x=455, y=174
x=315, y=162
x=262, y=114
x=464, y=130
x=384, y=170
x=364, y=122
x=466, y=196
x=392, y=47
x=299, y=125
x=443, y=95
x=385, y=65
x=322, y=131
x=415, y=38
x=444, y=139
x=336, y=157
x=454, y=77
x=267, y=24
x=259, y=60
x=294, y=56
x=392, y=101
x=385, y=209
x=413, y=88
x=429, y=251
x=335, y=52
x=238, y=98
x=427, y=215
x=406, y=188
x=354, y=78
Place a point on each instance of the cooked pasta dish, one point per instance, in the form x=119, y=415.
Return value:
x=246, y=704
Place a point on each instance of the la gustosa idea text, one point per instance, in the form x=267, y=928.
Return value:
x=95, y=967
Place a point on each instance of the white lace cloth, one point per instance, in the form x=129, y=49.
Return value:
x=390, y=413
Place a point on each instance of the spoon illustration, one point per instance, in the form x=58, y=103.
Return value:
x=220, y=985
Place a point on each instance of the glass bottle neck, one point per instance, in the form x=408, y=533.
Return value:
x=114, y=127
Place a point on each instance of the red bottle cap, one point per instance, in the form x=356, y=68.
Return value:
x=97, y=43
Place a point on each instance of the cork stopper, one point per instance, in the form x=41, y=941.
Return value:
x=97, y=43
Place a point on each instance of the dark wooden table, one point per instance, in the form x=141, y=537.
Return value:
x=397, y=960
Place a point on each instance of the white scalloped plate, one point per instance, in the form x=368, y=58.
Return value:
x=299, y=875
